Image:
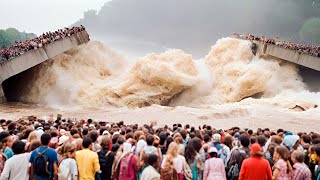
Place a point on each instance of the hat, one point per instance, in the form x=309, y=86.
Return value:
x=126, y=147
x=105, y=132
x=216, y=137
x=213, y=150
x=63, y=139
x=290, y=140
x=54, y=140
x=255, y=148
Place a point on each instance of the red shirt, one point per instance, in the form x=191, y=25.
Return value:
x=255, y=168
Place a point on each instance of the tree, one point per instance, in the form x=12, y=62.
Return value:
x=10, y=35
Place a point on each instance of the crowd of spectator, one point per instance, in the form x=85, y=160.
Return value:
x=68, y=149
x=308, y=49
x=19, y=48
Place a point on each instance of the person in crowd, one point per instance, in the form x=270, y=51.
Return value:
x=17, y=167
x=125, y=166
x=67, y=165
x=244, y=144
x=175, y=165
x=214, y=166
x=282, y=168
x=300, y=170
x=44, y=161
x=255, y=167
x=87, y=161
x=106, y=158
x=151, y=172
x=194, y=158
x=226, y=150
x=6, y=145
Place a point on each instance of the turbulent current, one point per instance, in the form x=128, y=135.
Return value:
x=228, y=83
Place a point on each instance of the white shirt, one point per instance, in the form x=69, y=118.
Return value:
x=17, y=167
x=150, y=173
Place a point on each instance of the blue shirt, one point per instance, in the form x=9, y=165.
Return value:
x=8, y=152
x=51, y=155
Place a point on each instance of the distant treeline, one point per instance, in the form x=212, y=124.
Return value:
x=10, y=35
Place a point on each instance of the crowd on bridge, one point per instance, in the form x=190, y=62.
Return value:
x=19, y=48
x=308, y=49
x=70, y=149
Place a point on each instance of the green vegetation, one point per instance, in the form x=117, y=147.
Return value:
x=10, y=35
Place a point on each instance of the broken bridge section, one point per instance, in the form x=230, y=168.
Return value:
x=37, y=56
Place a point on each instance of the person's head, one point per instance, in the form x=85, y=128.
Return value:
x=163, y=138
x=45, y=139
x=153, y=160
x=34, y=145
x=206, y=138
x=213, y=152
x=256, y=150
x=69, y=150
x=316, y=149
x=173, y=150
x=261, y=140
x=305, y=139
x=150, y=140
x=276, y=139
x=228, y=141
x=87, y=143
x=18, y=147
x=7, y=142
x=244, y=140
x=93, y=135
x=33, y=136
x=105, y=142
x=193, y=147
x=297, y=156
x=281, y=152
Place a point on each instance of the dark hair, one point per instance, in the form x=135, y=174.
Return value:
x=120, y=140
x=213, y=154
x=316, y=149
x=152, y=158
x=73, y=131
x=183, y=133
x=244, y=140
x=86, y=142
x=253, y=139
x=306, y=138
x=18, y=147
x=283, y=152
x=45, y=139
x=115, y=138
x=261, y=140
x=163, y=138
x=150, y=139
x=206, y=138
x=3, y=135
x=316, y=141
x=169, y=140
x=314, y=136
x=192, y=148
x=93, y=135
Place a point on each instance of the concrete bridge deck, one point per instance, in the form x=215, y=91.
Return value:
x=37, y=56
x=293, y=56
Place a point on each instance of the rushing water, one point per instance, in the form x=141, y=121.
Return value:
x=228, y=87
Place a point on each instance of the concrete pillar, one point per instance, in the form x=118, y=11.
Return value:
x=2, y=96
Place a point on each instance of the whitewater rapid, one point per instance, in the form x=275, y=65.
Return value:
x=229, y=83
